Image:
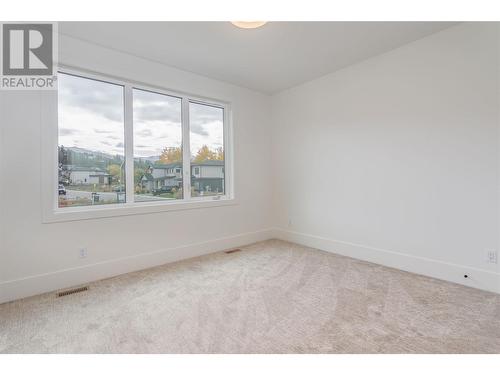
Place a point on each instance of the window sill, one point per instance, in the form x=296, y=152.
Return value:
x=125, y=209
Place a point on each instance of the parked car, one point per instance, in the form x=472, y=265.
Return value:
x=62, y=190
x=119, y=188
x=162, y=190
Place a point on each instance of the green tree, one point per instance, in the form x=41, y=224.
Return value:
x=138, y=173
x=115, y=171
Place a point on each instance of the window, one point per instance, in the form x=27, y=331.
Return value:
x=206, y=134
x=126, y=145
x=91, y=148
x=157, y=126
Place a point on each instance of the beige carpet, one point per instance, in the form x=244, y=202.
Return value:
x=272, y=297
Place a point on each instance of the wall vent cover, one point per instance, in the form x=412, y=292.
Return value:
x=72, y=291
x=232, y=251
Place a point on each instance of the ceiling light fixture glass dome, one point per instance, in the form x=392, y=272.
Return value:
x=248, y=24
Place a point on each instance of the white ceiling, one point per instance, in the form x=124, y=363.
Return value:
x=274, y=57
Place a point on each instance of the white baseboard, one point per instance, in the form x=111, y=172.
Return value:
x=477, y=278
x=38, y=284
x=20, y=288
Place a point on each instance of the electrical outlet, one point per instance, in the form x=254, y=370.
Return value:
x=82, y=253
x=289, y=222
x=491, y=256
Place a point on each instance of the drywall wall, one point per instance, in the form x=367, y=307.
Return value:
x=37, y=257
x=396, y=159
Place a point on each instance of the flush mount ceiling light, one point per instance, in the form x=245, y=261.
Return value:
x=248, y=24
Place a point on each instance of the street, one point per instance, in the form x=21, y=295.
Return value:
x=110, y=197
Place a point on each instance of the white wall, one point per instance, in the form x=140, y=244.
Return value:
x=36, y=257
x=396, y=159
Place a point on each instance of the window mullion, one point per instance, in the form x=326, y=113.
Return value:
x=186, y=152
x=129, y=145
x=228, y=155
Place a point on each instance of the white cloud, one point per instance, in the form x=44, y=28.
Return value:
x=91, y=117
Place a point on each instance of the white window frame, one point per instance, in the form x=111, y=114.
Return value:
x=49, y=158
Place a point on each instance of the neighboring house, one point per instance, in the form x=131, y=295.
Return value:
x=205, y=176
x=88, y=176
x=208, y=176
x=147, y=182
x=162, y=175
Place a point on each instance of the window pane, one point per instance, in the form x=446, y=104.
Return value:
x=206, y=135
x=157, y=146
x=90, y=142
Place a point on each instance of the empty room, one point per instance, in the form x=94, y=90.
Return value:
x=250, y=187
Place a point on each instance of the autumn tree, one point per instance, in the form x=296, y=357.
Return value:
x=204, y=153
x=220, y=154
x=170, y=155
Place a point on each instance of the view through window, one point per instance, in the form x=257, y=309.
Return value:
x=157, y=146
x=91, y=142
x=206, y=124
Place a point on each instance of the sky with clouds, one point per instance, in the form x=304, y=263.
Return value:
x=91, y=117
